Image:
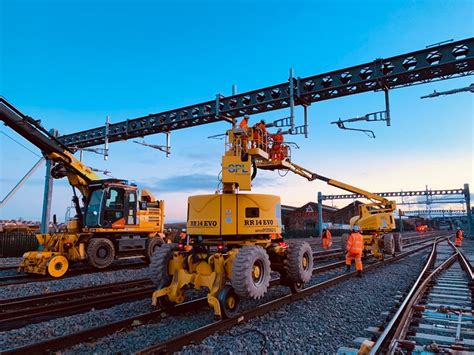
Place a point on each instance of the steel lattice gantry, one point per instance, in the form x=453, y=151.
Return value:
x=461, y=191
x=464, y=192
x=437, y=63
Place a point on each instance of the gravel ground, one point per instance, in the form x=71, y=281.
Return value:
x=10, y=261
x=468, y=249
x=300, y=327
x=68, y=325
x=86, y=280
x=324, y=321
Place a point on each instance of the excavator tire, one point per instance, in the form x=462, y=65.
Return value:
x=397, y=238
x=158, y=268
x=251, y=272
x=299, y=262
x=152, y=244
x=388, y=244
x=344, y=239
x=100, y=252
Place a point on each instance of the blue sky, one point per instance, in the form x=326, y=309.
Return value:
x=72, y=63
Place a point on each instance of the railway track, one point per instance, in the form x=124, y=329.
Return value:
x=19, y=279
x=197, y=335
x=437, y=314
x=26, y=278
x=15, y=313
x=18, y=312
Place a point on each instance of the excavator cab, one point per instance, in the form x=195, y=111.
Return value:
x=111, y=206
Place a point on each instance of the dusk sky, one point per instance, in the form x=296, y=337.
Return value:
x=72, y=63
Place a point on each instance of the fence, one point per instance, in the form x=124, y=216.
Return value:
x=15, y=243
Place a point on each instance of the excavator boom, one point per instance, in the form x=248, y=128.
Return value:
x=78, y=174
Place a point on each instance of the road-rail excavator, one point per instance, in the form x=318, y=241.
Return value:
x=115, y=220
x=236, y=237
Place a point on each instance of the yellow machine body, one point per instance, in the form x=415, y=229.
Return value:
x=234, y=215
x=222, y=225
x=111, y=209
x=226, y=228
x=72, y=244
x=210, y=272
x=53, y=245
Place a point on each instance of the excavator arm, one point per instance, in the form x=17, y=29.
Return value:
x=65, y=164
x=311, y=176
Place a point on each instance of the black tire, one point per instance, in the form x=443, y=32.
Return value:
x=299, y=262
x=229, y=302
x=158, y=269
x=388, y=244
x=397, y=238
x=151, y=245
x=100, y=252
x=344, y=239
x=251, y=272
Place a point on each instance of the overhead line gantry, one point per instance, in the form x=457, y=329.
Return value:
x=443, y=62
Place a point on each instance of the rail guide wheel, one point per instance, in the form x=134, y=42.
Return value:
x=57, y=266
x=229, y=301
x=296, y=287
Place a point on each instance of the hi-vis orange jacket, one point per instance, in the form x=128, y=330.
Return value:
x=244, y=123
x=355, y=243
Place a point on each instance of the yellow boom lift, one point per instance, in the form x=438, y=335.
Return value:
x=375, y=219
x=236, y=240
x=115, y=220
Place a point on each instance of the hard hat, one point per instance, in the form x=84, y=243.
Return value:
x=458, y=228
x=356, y=228
x=183, y=230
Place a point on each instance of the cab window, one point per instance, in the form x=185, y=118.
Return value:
x=114, y=206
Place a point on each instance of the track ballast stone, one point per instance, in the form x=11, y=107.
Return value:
x=85, y=280
x=68, y=325
x=324, y=321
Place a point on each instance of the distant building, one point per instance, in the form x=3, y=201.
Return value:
x=344, y=215
x=304, y=218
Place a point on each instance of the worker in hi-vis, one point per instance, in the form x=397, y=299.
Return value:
x=326, y=238
x=355, y=247
x=459, y=237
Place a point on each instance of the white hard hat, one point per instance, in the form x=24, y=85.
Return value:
x=458, y=228
x=183, y=230
x=356, y=228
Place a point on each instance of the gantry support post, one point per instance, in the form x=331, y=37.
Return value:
x=48, y=193
x=320, y=214
x=400, y=219
x=467, y=196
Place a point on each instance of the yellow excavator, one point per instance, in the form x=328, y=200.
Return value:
x=114, y=221
x=236, y=237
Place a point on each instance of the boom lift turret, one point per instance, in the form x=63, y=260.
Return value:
x=115, y=219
